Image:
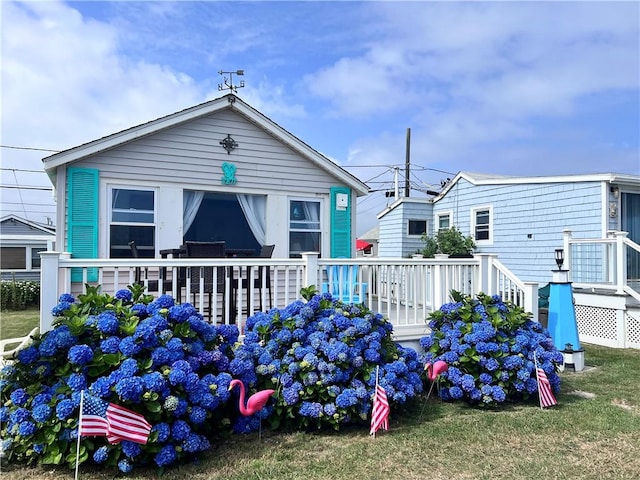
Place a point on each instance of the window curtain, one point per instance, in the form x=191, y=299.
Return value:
x=191, y=204
x=254, y=209
x=312, y=213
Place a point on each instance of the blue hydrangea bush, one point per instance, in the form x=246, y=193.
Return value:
x=151, y=356
x=320, y=356
x=489, y=346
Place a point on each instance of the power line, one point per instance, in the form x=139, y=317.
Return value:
x=22, y=170
x=27, y=187
x=14, y=147
x=20, y=194
x=25, y=203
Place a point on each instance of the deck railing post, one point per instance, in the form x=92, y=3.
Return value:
x=49, y=287
x=483, y=280
x=439, y=295
x=566, y=245
x=531, y=299
x=621, y=262
x=311, y=273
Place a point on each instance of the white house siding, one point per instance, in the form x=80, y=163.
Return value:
x=394, y=238
x=189, y=156
x=528, y=219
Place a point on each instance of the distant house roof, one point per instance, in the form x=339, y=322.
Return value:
x=491, y=179
x=231, y=102
x=47, y=229
x=373, y=234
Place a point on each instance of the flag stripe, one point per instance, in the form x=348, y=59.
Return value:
x=93, y=425
x=544, y=389
x=380, y=412
x=125, y=413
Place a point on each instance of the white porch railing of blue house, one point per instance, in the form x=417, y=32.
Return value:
x=604, y=263
x=404, y=290
x=605, y=273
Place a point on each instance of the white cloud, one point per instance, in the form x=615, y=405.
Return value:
x=65, y=80
x=522, y=59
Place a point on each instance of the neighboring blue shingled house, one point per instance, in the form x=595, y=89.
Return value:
x=521, y=219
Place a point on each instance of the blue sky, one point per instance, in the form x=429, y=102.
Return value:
x=512, y=88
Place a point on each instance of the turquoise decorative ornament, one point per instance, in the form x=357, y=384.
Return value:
x=229, y=171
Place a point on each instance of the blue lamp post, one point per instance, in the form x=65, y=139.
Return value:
x=562, y=323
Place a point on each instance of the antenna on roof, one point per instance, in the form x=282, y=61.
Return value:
x=227, y=83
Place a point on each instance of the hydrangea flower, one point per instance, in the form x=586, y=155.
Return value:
x=80, y=355
x=490, y=347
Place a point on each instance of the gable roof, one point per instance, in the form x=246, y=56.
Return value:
x=229, y=101
x=490, y=179
x=49, y=230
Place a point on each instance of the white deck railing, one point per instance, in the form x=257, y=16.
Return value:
x=603, y=263
x=405, y=290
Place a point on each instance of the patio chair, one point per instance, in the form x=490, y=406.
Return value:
x=152, y=285
x=6, y=355
x=343, y=284
x=207, y=250
x=265, y=252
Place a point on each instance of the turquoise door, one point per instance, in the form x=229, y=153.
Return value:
x=631, y=223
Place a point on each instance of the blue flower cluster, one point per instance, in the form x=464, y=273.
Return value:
x=491, y=348
x=322, y=356
x=156, y=358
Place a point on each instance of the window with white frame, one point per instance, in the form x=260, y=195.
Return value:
x=35, y=256
x=481, y=219
x=132, y=217
x=443, y=221
x=304, y=227
x=416, y=228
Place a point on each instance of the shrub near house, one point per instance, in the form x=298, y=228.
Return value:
x=449, y=241
x=491, y=348
x=156, y=358
x=19, y=295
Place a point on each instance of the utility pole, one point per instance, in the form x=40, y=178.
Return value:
x=407, y=163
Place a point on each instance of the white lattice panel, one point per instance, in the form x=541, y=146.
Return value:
x=597, y=325
x=632, y=319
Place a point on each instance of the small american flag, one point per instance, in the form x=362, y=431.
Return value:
x=103, y=419
x=544, y=389
x=380, y=412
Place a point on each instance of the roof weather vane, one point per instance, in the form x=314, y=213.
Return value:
x=228, y=83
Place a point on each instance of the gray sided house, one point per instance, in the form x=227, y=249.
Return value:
x=219, y=171
x=521, y=219
x=21, y=242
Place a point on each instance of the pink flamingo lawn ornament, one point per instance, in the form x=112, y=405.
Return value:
x=433, y=371
x=255, y=402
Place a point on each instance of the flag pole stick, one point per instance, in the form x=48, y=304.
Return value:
x=426, y=399
x=79, y=430
x=535, y=360
x=375, y=395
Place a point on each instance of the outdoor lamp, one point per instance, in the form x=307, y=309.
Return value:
x=559, y=257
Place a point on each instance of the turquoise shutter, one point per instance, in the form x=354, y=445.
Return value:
x=340, y=225
x=82, y=218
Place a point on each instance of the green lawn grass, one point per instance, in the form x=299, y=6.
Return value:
x=18, y=323
x=594, y=433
